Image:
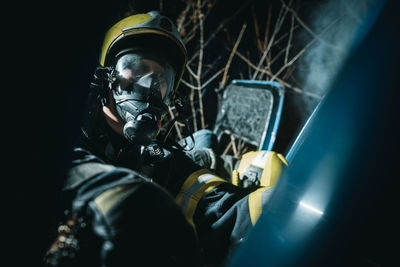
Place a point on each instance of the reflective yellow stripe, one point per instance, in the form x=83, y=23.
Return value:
x=245, y=161
x=235, y=177
x=255, y=204
x=193, y=189
x=261, y=159
x=108, y=199
x=273, y=169
x=195, y=198
x=270, y=176
x=188, y=183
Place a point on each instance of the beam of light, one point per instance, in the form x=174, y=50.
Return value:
x=305, y=205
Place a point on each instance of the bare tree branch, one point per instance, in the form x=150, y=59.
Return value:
x=200, y=63
x=232, y=54
x=303, y=50
x=204, y=84
x=213, y=77
x=315, y=35
x=278, y=25
x=220, y=27
x=290, y=40
x=191, y=71
x=235, y=151
x=178, y=131
x=182, y=17
x=286, y=84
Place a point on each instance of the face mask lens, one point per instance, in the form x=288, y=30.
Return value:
x=140, y=77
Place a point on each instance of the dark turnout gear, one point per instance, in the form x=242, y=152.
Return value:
x=121, y=218
x=220, y=210
x=209, y=214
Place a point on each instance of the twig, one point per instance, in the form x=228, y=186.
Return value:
x=289, y=41
x=178, y=131
x=191, y=71
x=204, y=85
x=267, y=26
x=257, y=31
x=235, y=151
x=213, y=77
x=298, y=90
x=284, y=83
x=193, y=108
x=288, y=73
x=283, y=36
x=316, y=36
x=248, y=66
x=227, y=148
x=271, y=62
x=220, y=27
x=278, y=24
x=303, y=50
x=189, y=85
x=211, y=66
x=193, y=31
x=232, y=54
x=200, y=64
x=182, y=17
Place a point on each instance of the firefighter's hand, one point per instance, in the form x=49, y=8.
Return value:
x=101, y=77
x=155, y=162
x=154, y=153
x=101, y=82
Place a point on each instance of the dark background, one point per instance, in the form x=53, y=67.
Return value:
x=51, y=51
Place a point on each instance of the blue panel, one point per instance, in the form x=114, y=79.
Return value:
x=333, y=206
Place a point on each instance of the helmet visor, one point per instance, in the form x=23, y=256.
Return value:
x=143, y=77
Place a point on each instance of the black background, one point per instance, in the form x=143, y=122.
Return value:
x=51, y=49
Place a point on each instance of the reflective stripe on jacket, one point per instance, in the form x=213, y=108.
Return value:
x=221, y=212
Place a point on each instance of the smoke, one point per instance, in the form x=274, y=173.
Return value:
x=334, y=27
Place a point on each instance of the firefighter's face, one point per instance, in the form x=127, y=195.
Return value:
x=142, y=77
x=140, y=97
x=149, y=68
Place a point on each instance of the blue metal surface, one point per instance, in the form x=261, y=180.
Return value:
x=301, y=136
x=333, y=206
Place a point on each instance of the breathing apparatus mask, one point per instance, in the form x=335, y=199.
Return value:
x=141, y=87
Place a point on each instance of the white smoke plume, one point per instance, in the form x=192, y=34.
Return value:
x=334, y=26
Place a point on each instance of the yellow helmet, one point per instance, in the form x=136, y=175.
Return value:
x=150, y=31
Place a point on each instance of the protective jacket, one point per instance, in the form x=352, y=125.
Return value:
x=223, y=208
x=209, y=214
x=118, y=216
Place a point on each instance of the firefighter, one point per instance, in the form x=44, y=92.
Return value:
x=130, y=194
